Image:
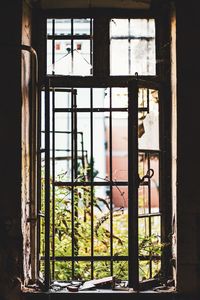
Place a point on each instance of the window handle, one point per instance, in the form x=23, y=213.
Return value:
x=149, y=174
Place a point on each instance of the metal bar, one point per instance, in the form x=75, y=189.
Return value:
x=72, y=47
x=89, y=183
x=47, y=187
x=89, y=258
x=53, y=180
x=91, y=45
x=89, y=110
x=133, y=185
x=90, y=12
x=92, y=182
x=131, y=37
x=53, y=47
x=60, y=81
x=69, y=37
x=149, y=205
x=111, y=190
x=99, y=258
x=129, y=47
x=72, y=181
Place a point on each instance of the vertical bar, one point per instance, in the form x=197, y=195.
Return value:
x=72, y=179
x=101, y=46
x=149, y=205
x=133, y=185
x=91, y=45
x=38, y=183
x=72, y=47
x=111, y=185
x=47, y=186
x=129, y=48
x=92, y=183
x=53, y=46
x=53, y=180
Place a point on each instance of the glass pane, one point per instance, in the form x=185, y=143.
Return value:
x=63, y=218
x=142, y=27
x=81, y=58
x=143, y=57
x=144, y=270
x=83, y=97
x=49, y=26
x=63, y=57
x=101, y=207
x=119, y=62
x=82, y=207
x=49, y=57
x=101, y=269
x=156, y=226
x=101, y=97
x=100, y=144
x=119, y=27
x=62, y=26
x=143, y=200
x=120, y=221
x=83, y=146
x=132, y=47
x=120, y=146
x=82, y=26
x=62, y=99
x=120, y=270
x=119, y=97
x=82, y=270
x=143, y=229
x=63, y=270
x=156, y=267
x=149, y=136
x=120, y=196
x=154, y=164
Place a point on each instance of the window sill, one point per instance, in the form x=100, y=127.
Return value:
x=29, y=294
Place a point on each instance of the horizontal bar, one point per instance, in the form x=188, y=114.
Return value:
x=60, y=110
x=100, y=258
x=131, y=37
x=98, y=82
x=89, y=183
x=148, y=151
x=149, y=215
x=88, y=258
x=69, y=37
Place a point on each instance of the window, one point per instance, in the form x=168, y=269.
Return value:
x=102, y=160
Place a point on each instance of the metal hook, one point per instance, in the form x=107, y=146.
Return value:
x=149, y=175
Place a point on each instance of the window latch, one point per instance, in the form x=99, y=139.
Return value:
x=149, y=174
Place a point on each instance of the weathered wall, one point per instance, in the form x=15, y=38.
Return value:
x=188, y=128
x=25, y=127
x=10, y=150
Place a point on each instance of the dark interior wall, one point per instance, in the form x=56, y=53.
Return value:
x=188, y=162
x=10, y=137
x=188, y=204
x=14, y=192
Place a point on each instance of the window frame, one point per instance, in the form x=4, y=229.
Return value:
x=102, y=78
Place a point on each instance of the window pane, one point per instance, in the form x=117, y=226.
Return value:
x=143, y=57
x=132, y=47
x=62, y=26
x=119, y=57
x=120, y=146
x=119, y=27
x=149, y=121
x=82, y=26
x=63, y=219
x=69, y=55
